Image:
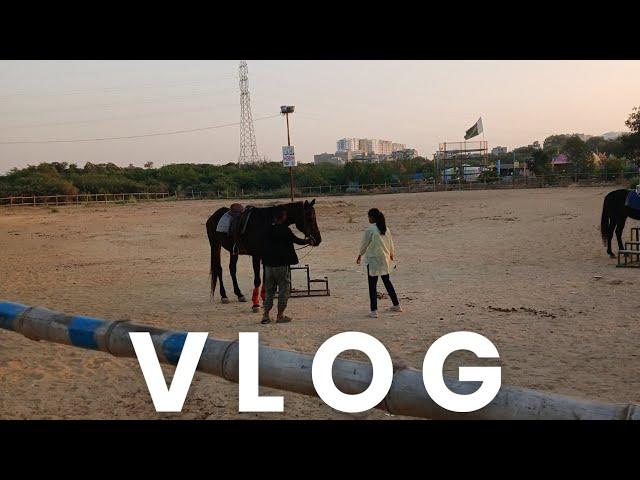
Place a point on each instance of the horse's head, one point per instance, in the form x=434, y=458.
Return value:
x=306, y=222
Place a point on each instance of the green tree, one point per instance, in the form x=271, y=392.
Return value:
x=631, y=143
x=489, y=176
x=633, y=122
x=555, y=143
x=613, y=166
x=579, y=154
x=540, y=163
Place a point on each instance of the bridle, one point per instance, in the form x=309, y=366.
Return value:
x=308, y=235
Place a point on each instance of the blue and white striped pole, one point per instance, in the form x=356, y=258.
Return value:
x=38, y=323
x=291, y=371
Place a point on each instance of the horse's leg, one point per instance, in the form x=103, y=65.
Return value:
x=619, y=229
x=233, y=262
x=263, y=291
x=255, y=297
x=609, y=238
x=223, y=292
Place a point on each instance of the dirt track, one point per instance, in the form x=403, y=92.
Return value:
x=520, y=267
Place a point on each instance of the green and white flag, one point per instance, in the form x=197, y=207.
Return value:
x=475, y=130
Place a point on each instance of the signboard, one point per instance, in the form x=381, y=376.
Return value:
x=288, y=156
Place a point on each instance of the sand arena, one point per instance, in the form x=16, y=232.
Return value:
x=525, y=268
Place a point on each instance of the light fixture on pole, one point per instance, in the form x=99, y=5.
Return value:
x=288, y=155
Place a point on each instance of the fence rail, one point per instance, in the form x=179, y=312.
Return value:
x=78, y=199
x=429, y=185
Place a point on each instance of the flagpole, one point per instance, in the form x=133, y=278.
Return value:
x=486, y=151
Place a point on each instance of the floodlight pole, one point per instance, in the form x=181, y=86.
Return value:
x=286, y=110
x=290, y=168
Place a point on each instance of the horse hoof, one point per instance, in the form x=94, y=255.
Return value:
x=255, y=308
x=224, y=300
x=242, y=298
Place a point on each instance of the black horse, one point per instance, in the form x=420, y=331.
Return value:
x=614, y=216
x=302, y=214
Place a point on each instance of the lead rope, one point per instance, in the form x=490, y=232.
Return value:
x=306, y=246
x=306, y=254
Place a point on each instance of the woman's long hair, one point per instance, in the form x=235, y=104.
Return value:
x=378, y=217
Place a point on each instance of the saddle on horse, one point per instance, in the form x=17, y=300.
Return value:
x=234, y=224
x=633, y=199
x=239, y=218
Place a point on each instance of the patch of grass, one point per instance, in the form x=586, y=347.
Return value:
x=53, y=210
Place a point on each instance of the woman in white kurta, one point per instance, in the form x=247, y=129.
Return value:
x=378, y=250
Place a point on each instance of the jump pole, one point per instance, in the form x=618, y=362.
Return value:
x=291, y=371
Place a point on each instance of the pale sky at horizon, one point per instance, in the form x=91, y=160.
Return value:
x=419, y=103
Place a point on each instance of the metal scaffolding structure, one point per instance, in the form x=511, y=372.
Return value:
x=456, y=153
x=248, y=147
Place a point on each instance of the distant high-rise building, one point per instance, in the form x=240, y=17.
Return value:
x=385, y=147
x=367, y=148
x=369, y=145
x=347, y=144
x=329, y=158
x=499, y=150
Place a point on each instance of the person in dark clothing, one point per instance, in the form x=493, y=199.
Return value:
x=279, y=254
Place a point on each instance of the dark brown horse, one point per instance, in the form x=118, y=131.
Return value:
x=614, y=216
x=302, y=214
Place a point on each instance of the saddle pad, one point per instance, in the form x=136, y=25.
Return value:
x=224, y=223
x=633, y=200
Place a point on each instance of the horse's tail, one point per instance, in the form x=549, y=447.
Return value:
x=605, y=221
x=215, y=253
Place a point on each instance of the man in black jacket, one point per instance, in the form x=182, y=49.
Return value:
x=279, y=254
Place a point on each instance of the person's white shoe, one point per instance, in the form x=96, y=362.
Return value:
x=373, y=314
x=396, y=308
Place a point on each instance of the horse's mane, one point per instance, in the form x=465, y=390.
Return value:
x=264, y=215
x=289, y=204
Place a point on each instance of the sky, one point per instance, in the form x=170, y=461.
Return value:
x=418, y=103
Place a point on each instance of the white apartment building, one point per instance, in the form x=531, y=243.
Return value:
x=348, y=144
x=369, y=146
x=385, y=147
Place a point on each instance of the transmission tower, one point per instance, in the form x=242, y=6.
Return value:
x=248, y=147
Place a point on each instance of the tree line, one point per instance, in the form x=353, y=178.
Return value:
x=60, y=178
x=609, y=157
x=597, y=154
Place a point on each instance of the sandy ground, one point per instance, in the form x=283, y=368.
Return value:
x=517, y=266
